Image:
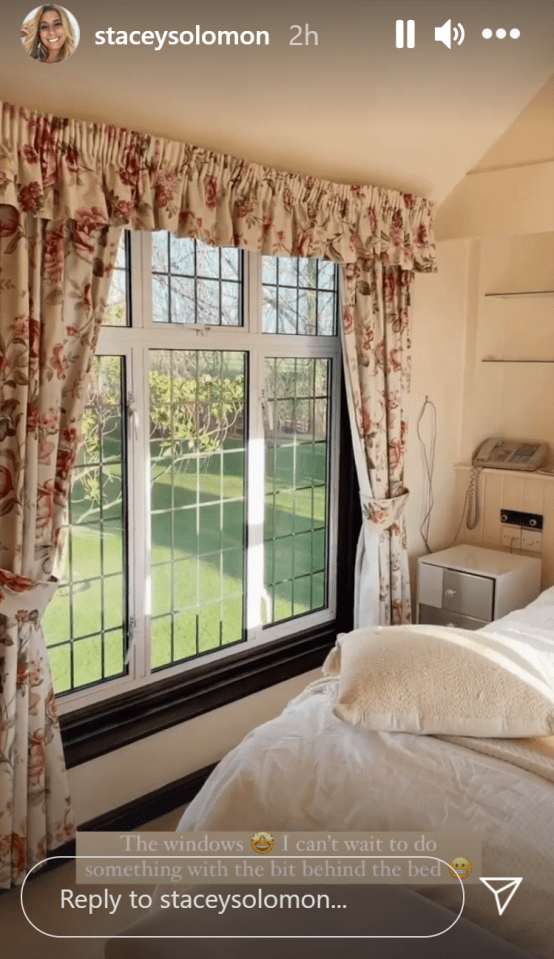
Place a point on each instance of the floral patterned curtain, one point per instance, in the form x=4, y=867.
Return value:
x=54, y=281
x=376, y=348
x=64, y=185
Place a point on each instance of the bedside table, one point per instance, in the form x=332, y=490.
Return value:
x=469, y=586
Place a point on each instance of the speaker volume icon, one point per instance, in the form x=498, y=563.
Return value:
x=445, y=34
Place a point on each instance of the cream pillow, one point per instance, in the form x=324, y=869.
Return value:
x=435, y=680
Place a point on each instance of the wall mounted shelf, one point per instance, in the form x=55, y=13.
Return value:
x=542, y=474
x=491, y=360
x=524, y=294
x=513, y=296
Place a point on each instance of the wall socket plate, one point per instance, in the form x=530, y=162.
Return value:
x=521, y=531
x=511, y=537
x=531, y=540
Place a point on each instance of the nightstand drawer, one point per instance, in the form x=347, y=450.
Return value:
x=445, y=617
x=470, y=595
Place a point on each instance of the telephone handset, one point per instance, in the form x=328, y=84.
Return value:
x=497, y=453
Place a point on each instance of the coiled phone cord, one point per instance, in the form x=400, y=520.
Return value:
x=473, y=504
x=473, y=507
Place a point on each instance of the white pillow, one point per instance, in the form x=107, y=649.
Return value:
x=443, y=681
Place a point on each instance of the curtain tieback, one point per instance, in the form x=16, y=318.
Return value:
x=24, y=599
x=384, y=512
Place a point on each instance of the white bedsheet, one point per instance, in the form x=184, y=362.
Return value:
x=308, y=770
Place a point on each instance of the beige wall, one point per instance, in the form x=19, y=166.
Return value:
x=505, y=490
x=129, y=773
x=439, y=328
x=509, y=399
x=456, y=326
x=507, y=201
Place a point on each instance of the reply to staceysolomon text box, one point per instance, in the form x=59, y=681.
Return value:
x=250, y=912
x=218, y=858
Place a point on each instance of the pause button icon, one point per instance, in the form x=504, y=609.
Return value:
x=410, y=33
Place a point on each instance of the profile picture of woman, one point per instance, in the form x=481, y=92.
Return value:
x=50, y=33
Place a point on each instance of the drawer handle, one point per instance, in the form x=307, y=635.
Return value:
x=450, y=592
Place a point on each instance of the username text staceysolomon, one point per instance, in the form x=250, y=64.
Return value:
x=158, y=39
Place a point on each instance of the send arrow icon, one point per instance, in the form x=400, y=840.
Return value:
x=509, y=885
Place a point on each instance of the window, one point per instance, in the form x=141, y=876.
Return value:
x=197, y=501
x=202, y=517
x=85, y=625
x=296, y=487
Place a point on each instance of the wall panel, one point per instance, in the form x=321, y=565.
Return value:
x=507, y=489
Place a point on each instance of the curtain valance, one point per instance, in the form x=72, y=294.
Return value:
x=97, y=174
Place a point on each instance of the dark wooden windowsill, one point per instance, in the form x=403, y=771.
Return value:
x=98, y=729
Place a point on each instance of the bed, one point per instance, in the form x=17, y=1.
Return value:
x=309, y=770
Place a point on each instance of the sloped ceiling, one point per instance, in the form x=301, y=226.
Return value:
x=511, y=189
x=529, y=139
x=352, y=109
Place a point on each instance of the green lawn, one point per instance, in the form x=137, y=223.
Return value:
x=197, y=562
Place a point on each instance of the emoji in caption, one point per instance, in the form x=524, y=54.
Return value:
x=262, y=842
x=461, y=867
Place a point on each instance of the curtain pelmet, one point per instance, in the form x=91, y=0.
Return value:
x=97, y=174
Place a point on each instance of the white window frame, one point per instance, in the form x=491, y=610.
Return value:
x=133, y=343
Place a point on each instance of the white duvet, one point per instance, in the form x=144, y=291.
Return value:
x=308, y=770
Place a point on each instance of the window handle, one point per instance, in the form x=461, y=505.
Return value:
x=267, y=413
x=131, y=639
x=133, y=414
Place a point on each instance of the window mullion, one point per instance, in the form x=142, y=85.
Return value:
x=333, y=484
x=255, y=498
x=253, y=284
x=138, y=274
x=139, y=513
x=144, y=280
x=334, y=463
x=255, y=561
x=139, y=475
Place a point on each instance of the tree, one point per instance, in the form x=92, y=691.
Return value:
x=193, y=409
